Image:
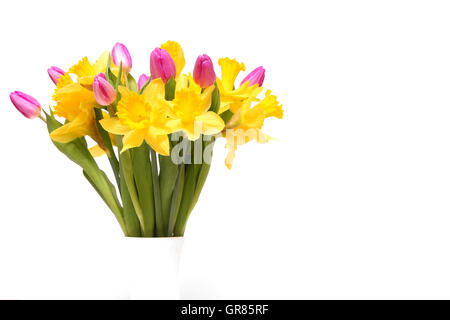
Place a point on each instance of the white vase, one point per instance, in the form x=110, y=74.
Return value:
x=152, y=266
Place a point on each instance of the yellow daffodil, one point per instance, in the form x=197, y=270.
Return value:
x=246, y=124
x=187, y=81
x=190, y=112
x=142, y=117
x=97, y=151
x=231, y=98
x=177, y=54
x=75, y=101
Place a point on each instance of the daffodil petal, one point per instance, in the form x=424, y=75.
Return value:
x=253, y=118
x=159, y=143
x=230, y=70
x=155, y=90
x=206, y=98
x=83, y=68
x=211, y=123
x=271, y=106
x=70, y=131
x=114, y=126
x=102, y=62
x=124, y=91
x=96, y=151
x=132, y=139
x=177, y=54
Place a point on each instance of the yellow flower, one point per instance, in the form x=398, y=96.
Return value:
x=97, y=151
x=246, y=124
x=187, y=81
x=191, y=115
x=177, y=54
x=231, y=98
x=142, y=117
x=75, y=101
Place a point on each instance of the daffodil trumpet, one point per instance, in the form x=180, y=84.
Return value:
x=158, y=132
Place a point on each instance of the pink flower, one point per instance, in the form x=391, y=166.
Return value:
x=255, y=77
x=142, y=80
x=162, y=65
x=27, y=105
x=120, y=54
x=55, y=73
x=204, y=74
x=104, y=92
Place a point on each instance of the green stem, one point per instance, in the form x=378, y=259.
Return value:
x=143, y=179
x=100, y=184
x=176, y=200
x=156, y=194
x=107, y=141
x=125, y=159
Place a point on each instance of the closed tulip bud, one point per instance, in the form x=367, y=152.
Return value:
x=162, y=65
x=255, y=77
x=27, y=105
x=104, y=92
x=204, y=74
x=120, y=54
x=55, y=73
x=142, y=80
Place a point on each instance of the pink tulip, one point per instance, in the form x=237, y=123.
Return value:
x=204, y=74
x=27, y=105
x=104, y=92
x=255, y=77
x=120, y=54
x=162, y=65
x=142, y=80
x=55, y=73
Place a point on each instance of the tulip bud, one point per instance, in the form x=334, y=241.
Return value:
x=255, y=77
x=104, y=92
x=142, y=80
x=204, y=74
x=162, y=65
x=120, y=54
x=55, y=73
x=27, y=105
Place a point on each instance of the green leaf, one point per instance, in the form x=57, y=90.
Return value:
x=143, y=178
x=156, y=194
x=132, y=85
x=131, y=220
x=226, y=116
x=188, y=193
x=168, y=172
x=215, y=100
x=176, y=201
x=107, y=141
x=145, y=85
x=77, y=151
x=126, y=172
x=170, y=89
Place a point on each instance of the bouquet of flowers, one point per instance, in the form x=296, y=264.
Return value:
x=158, y=132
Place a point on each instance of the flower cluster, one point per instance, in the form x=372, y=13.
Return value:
x=103, y=101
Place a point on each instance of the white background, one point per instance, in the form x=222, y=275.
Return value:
x=352, y=201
